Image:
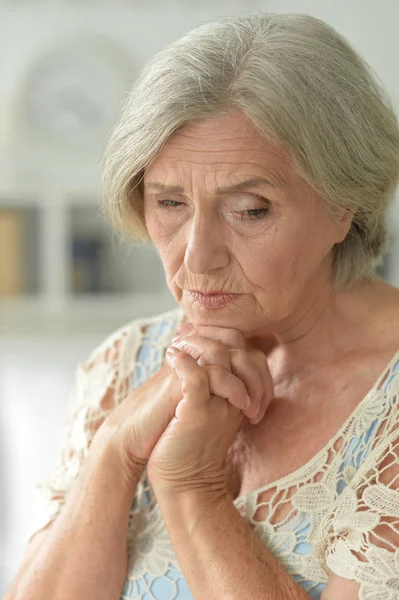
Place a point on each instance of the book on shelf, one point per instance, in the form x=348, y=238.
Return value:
x=87, y=258
x=12, y=253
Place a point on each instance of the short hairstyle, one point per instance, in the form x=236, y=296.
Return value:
x=302, y=85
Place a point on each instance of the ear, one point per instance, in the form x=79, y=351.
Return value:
x=343, y=222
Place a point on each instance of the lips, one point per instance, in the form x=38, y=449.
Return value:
x=212, y=300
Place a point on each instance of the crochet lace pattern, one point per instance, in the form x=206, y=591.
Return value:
x=339, y=511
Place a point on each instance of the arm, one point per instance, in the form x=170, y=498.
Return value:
x=220, y=556
x=75, y=498
x=223, y=559
x=84, y=554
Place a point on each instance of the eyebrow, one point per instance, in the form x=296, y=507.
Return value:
x=220, y=191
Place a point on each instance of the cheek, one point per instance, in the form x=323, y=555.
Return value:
x=270, y=256
x=305, y=240
x=159, y=237
x=167, y=244
x=284, y=259
x=268, y=269
x=171, y=260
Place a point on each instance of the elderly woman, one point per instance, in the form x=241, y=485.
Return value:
x=256, y=453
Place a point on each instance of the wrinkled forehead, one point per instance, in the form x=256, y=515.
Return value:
x=229, y=144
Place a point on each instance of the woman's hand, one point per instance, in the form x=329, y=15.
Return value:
x=134, y=427
x=191, y=454
x=226, y=349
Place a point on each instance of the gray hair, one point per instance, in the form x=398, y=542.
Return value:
x=302, y=85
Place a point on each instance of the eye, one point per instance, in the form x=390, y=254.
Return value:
x=168, y=203
x=253, y=213
x=244, y=215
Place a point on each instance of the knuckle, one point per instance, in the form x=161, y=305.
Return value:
x=258, y=356
x=215, y=374
x=233, y=352
x=216, y=347
x=237, y=339
x=237, y=355
x=239, y=387
x=242, y=398
x=196, y=382
x=227, y=384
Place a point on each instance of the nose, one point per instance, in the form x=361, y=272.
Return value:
x=205, y=250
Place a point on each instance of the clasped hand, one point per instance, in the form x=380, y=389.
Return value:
x=223, y=386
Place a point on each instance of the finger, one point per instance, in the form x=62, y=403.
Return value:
x=200, y=382
x=252, y=368
x=193, y=378
x=204, y=350
x=268, y=386
x=232, y=338
x=247, y=370
x=225, y=384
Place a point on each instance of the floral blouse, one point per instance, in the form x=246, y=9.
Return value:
x=339, y=511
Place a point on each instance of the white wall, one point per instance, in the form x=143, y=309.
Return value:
x=35, y=375
x=372, y=28
x=35, y=379
x=144, y=28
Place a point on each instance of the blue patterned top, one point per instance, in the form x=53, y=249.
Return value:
x=287, y=515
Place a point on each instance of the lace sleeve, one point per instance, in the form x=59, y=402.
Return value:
x=101, y=383
x=361, y=534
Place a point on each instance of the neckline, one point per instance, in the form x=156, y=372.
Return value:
x=297, y=472
x=314, y=459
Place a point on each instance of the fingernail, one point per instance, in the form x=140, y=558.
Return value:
x=178, y=345
x=247, y=402
x=258, y=419
x=174, y=351
x=171, y=356
x=176, y=338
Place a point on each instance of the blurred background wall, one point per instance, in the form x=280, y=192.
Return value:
x=65, y=281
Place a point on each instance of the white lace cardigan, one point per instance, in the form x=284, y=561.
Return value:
x=339, y=511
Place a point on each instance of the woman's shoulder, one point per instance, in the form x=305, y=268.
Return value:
x=123, y=361
x=124, y=344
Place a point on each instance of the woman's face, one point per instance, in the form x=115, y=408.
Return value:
x=228, y=213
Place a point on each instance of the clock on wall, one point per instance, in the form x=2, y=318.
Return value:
x=72, y=92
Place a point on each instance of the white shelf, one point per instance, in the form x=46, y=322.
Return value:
x=129, y=281
x=80, y=314
x=32, y=195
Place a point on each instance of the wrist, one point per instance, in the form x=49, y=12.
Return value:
x=185, y=511
x=182, y=487
x=105, y=456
